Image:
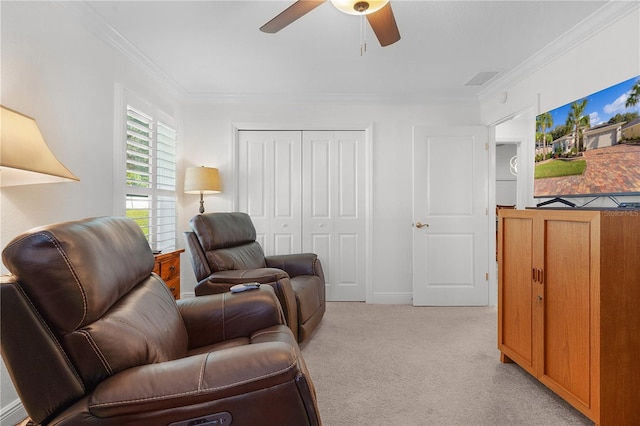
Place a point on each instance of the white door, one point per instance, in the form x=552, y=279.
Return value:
x=269, y=187
x=306, y=192
x=450, y=228
x=334, y=210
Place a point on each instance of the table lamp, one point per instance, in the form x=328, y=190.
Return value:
x=202, y=180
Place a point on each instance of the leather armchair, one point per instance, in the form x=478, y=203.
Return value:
x=224, y=252
x=91, y=336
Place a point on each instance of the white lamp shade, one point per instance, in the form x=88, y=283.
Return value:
x=348, y=6
x=25, y=157
x=202, y=180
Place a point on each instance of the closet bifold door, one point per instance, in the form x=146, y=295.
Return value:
x=269, y=187
x=334, y=222
x=306, y=192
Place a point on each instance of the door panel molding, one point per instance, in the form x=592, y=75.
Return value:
x=450, y=213
x=333, y=180
x=269, y=187
x=325, y=236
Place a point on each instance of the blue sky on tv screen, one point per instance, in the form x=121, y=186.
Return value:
x=602, y=105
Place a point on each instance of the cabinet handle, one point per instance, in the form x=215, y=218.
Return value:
x=539, y=298
x=537, y=275
x=172, y=267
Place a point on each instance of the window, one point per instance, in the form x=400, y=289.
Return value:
x=150, y=168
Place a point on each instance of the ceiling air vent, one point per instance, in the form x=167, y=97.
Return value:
x=481, y=78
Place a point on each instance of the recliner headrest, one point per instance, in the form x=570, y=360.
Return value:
x=223, y=230
x=74, y=272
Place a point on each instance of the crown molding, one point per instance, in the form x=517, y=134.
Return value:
x=84, y=13
x=329, y=98
x=602, y=18
x=607, y=15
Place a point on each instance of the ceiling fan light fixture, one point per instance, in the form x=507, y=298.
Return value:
x=359, y=7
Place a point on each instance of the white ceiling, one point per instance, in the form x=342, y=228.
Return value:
x=214, y=48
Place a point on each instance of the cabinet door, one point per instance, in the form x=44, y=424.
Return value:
x=515, y=289
x=566, y=306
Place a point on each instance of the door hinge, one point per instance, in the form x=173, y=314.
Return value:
x=486, y=147
x=486, y=276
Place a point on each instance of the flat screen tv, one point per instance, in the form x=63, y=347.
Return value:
x=590, y=147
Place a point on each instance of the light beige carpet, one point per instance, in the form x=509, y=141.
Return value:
x=405, y=365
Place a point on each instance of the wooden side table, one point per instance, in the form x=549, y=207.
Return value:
x=168, y=267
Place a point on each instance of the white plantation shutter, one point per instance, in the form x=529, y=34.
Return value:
x=166, y=157
x=166, y=223
x=151, y=176
x=139, y=149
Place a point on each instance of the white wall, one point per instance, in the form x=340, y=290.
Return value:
x=56, y=71
x=208, y=140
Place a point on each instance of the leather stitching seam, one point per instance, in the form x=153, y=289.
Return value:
x=53, y=338
x=146, y=338
x=97, y=351
x=198, y=391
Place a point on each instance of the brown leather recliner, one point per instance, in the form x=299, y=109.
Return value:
x=91, y=336
x=224, y=252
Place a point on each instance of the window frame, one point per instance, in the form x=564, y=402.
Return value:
x=157, y=193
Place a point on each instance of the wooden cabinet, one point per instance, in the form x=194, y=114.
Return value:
x=569, y=305
x=168, y=267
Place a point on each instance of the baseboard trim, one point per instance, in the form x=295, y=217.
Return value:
x=393, y=298
x=13, y=413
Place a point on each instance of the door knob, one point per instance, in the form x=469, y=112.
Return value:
x=421, y=225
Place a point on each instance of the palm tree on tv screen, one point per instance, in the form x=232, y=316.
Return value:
x=578, y=121
x=634, y=96
x=544, y=122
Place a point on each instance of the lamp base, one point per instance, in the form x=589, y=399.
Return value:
x=201, y=204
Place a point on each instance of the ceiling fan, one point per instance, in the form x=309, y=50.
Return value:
x=378, y=13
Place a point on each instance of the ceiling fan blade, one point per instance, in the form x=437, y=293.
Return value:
x=384, y=25
x=290, y=14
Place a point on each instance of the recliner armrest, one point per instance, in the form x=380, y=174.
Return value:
x=239, y=276
x=195, y=380
x=222, y=281
x=214, y=318
x=296, y=264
